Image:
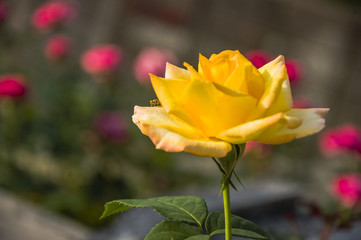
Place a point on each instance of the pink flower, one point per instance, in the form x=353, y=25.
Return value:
x=102, y=60
x=152, y=60
x=111, y=126
x=3, y=11
x=293, y=70
x=346, y=138
x=347, y=188
x=52, y=14
x=259, y=57
x=57, y=47
x=12, y=86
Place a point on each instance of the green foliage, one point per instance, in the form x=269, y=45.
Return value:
x=167, y=230
x=186, y=216
x=179, y=208
x=199, y=237
x=240, y=226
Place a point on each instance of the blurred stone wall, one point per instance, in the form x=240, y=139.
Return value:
x=323, y=35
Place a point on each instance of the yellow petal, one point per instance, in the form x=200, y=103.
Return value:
x=174, y=72
x=284, y=101
x=250, y=130
x=277, y=95
x=215, y=108
x=168, y=92
x=246, y=78
x=159, y=117
x=312, y=122
x=194, y=74
x=237, y=81
x=171, y=135
x=228, y=54
x=219, y=69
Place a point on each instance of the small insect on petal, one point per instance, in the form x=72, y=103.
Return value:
x=155, y=103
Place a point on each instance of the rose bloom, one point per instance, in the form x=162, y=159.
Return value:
x=347, y=188
x=12, y=86
x=103, y=59
x=52, y=14
x=3, y=11
x=111, y=126
x=227, y=101
x=152, y=60
x=57, y=47
x=346, y=138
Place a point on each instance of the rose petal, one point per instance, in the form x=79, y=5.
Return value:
x=249, y=130
x=214, y=108
x=217, y=70
x=171, y=135
x=168, y=92
x=312, y=122
x=284, y=102
x=277, y=95
x=174, y=72
x=246, y=73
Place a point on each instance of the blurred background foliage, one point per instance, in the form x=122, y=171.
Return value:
x=57, y=148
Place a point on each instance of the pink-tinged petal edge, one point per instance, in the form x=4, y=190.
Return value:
x=170, y=141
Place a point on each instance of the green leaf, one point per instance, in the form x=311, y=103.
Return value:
x=178, y=208
x=199, y=237
x=228, y=163
x=240, y=148
x=169, y=230
x=219, y=166
x=240, y=226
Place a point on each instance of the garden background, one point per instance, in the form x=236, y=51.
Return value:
x=68, y=143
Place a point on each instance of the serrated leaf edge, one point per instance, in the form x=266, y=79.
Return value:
x=118, y=202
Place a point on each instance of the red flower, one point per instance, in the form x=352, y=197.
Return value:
x=152, y=60
x=12, y=86
x=293, y=70
x=347, y=188
x=259, y=57
x=346, y=138
x=57, y=47
x=52, y=14
x=104, y=59
x=111, y=126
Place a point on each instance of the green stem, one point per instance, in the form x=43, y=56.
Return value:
x=227, y=212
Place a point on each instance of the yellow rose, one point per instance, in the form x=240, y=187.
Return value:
x=227, y=101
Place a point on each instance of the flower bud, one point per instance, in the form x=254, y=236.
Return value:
x=12, y=86
x=53, y=14
x=347, y=189
x=102, y=60
x=57, y=47
x=346, y=138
